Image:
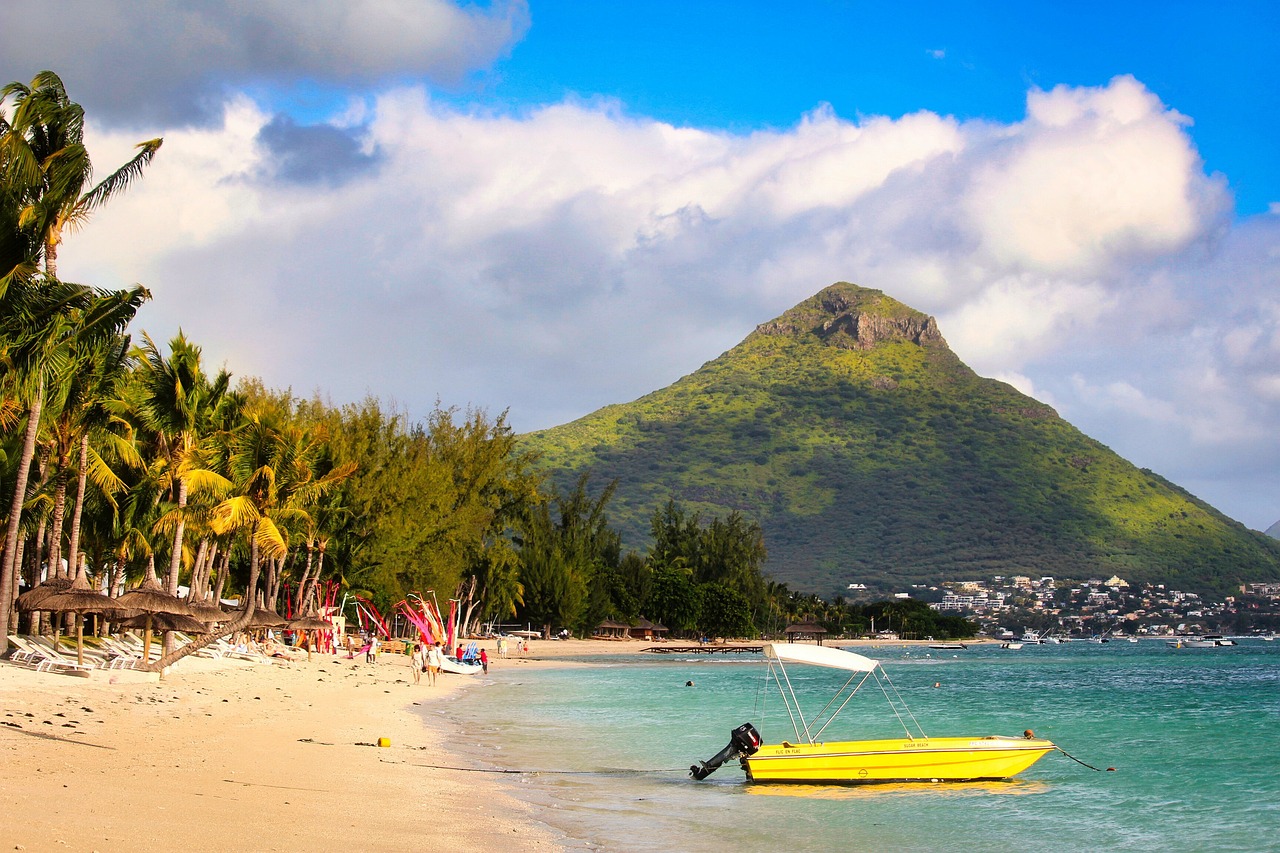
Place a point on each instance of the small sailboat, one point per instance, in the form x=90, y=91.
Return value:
x=913, y=757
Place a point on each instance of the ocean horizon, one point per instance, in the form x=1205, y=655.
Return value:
x=604, y=749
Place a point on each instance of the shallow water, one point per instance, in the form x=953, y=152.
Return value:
x=1194, y=736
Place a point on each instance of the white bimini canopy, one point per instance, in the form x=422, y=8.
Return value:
x=820, y=656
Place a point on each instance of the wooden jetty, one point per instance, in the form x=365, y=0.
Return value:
x=703, y=649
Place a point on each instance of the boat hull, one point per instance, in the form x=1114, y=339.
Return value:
x=953, y=759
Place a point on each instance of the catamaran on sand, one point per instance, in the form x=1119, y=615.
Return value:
x=912, y=758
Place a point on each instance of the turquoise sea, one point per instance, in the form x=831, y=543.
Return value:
x=1194, y=735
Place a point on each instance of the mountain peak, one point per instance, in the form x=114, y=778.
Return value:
x=847, y=316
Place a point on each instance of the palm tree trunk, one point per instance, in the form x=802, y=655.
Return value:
x=8, y=571
x=224, y=569
x=73, y=545
x=175, y=560
x=246, y=613
x=57, y=518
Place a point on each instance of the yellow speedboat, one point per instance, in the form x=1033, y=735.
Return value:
x=912, y=758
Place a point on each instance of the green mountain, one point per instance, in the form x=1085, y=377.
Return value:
x=869, y=453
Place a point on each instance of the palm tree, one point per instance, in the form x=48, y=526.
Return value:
x=275, y=479
x=38, y=339
x=44, y=168
x=46, y=155
x=178, y=403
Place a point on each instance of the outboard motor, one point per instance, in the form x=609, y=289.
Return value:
x=744, y=740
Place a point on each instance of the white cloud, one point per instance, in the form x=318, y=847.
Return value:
x=1092, y=177
x=575, y=255
x=170, y=61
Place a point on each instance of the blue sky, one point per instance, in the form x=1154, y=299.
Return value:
x=545, y=208
x=742, y=65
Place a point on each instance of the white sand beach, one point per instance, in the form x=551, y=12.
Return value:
x=224, y=755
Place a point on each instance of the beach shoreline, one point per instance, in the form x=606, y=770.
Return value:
x=224, y=754
x=227, y=755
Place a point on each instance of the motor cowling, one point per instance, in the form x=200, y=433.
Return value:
x=744, y=740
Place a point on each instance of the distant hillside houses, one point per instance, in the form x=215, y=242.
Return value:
x=1263, y=590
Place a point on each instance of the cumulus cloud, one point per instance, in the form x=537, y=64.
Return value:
x=172, y=62
x=575, y=255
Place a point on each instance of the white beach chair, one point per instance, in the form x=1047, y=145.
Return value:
x=49, y=659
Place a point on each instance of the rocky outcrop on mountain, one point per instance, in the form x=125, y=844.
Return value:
x=846, y=316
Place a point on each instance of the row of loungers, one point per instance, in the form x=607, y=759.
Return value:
x=121, y=651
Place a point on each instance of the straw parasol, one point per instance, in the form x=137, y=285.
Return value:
x=310, y=623
x=207, y=611
x=151, y=598
x=80, y=598
x=30, y=601
x=167, y=622
x=263, y=618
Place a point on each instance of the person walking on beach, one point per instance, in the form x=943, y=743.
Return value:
x=435, y=659
x=484, y=661
x=371, y=656
x=418, y=663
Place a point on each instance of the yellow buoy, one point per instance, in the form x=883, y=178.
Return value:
x=384, y=741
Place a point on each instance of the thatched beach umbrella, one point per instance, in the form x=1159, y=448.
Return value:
x=30, y=601
x=167, y=622
x=263, y=618
x=310, y=623
x=208, y=612
x=150, y=598
x=80, y=598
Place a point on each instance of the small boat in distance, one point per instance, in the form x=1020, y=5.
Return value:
x=1013, y=647
x=913, y=757
x=948, y=646
x=1208, y=641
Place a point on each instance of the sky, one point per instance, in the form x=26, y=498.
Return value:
x=547, y=207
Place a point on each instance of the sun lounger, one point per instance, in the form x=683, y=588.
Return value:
x=48, y=659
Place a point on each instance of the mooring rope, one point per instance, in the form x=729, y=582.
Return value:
x=1086, y=764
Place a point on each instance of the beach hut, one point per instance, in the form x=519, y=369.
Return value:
x=611, y=630
x=801, y=631
x=646, y=630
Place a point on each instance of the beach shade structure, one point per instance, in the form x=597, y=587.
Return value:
x=646, y=630
x=149, y=598
x=611, y=630
x=310, y=623
x=80, y=598
x=166, y=622
x=208, y=612
x=263, y=618
x=30, y=601
x=805, y=631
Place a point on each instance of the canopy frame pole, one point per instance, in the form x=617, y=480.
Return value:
x=846, y=701
x=793, y=706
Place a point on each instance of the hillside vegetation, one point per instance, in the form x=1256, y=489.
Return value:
x=868, y=452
